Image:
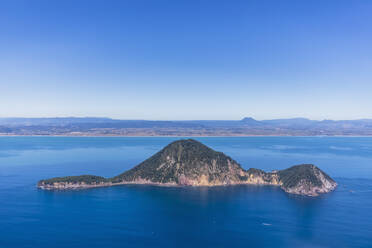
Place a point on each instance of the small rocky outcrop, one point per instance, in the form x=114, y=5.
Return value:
x=190, y=163
x=305, y=179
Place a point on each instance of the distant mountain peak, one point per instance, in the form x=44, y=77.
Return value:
x=248, y=119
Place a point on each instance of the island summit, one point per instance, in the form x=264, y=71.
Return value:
x=191, y=163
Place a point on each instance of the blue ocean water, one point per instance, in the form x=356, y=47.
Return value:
x=150, y=216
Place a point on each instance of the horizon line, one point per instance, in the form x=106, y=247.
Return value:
x=180, y=120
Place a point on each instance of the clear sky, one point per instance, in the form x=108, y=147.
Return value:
x=156, y=59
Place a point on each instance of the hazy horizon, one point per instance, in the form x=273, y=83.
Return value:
x=127, y=119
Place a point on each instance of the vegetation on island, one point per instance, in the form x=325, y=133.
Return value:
x=306, y=172
x=189, y=162
x=188, y=156
x=87, y=179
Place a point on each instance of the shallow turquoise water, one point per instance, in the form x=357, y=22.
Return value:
x=143, y=216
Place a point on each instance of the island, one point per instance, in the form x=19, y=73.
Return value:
x=191, y=163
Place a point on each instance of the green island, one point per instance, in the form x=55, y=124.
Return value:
x=191, y=163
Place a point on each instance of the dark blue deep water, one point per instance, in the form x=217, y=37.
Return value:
x=149, y=216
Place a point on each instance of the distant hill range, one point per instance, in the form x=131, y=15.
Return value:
x=94, y=126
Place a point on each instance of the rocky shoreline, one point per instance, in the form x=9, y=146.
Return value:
x=190, y=163
x=298, y=190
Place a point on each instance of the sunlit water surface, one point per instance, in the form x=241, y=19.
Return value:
x=149, y=216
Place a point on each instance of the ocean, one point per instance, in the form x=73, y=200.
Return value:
x=151, y=216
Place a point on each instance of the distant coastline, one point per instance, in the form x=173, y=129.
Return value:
x=246, y=127
x=183, y=136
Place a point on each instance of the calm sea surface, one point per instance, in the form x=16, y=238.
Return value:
x=149, y=216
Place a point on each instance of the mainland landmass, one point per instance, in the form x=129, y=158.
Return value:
x=191, y=163
x=90, y=126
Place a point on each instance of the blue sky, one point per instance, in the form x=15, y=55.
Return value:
x=189, y=59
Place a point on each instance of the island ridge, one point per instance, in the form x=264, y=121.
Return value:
x=191, y=163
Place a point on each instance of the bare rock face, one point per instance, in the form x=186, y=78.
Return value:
x=190, y=163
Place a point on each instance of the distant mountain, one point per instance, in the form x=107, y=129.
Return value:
x=190, y=163
x=251, y=122
x=247, y=126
